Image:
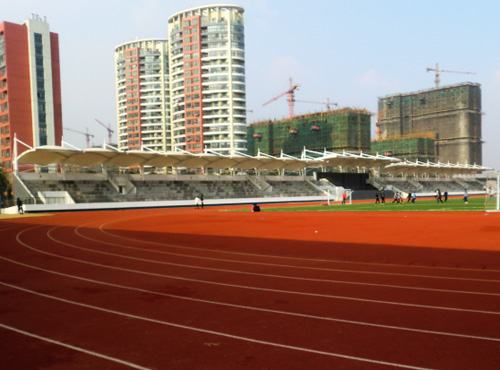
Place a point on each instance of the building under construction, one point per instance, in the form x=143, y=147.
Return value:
x=449, y=116
x=410, y=147
x=334, y=130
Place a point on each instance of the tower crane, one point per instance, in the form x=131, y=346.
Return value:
x=327, y=104
x=290, y=97
x=439, y=71
x=110, y=131
x=87, y=134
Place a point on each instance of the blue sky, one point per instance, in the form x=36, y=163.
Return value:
x=351, y=52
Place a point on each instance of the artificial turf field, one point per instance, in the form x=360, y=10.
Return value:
x=212, y=289
x=453, y=204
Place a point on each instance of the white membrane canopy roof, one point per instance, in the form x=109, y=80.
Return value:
x=46, y=155
x=95, y=156
x=429, y=168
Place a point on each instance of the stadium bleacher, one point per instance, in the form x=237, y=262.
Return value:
x=92, y=188
x=429, y=185
x=99, y=188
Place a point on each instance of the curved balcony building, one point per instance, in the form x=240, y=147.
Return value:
x=207, y=79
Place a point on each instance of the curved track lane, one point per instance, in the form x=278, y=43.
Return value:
x=182, y=289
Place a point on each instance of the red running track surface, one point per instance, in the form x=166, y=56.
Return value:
x=209, y=289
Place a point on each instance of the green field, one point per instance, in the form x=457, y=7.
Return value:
x=476, y=204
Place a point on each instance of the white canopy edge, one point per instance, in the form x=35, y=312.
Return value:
x=421, y=168
x=47, y=155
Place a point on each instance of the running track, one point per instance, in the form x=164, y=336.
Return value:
x=208, y=289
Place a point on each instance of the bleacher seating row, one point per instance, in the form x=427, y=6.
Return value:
x=102, y=190
x=429, y=185
x=85, y=191
x=178, y=190
x=292, y=188
x=98, y=188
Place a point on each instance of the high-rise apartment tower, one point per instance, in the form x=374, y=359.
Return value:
x=30, y=87
x=142, y=95
x=187, y=91
x=207, y=79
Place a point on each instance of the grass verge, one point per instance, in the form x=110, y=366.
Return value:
x=421, y=205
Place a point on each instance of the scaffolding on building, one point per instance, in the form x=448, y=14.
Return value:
x=451, y=113
x=336, y=130
x=410, y=147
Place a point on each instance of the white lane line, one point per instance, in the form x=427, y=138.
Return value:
x=361, y=323
x=212, y=332
x=318, y=260
x=253, y=288
x=291, y=267
x=101, y=228
x=254, y=273
x=88, y=352
x=3, y=229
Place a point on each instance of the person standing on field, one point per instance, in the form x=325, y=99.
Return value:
x=344, y=197
x=20, y=206
x=466, y=196
x=400, y=199
x=439, y=196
